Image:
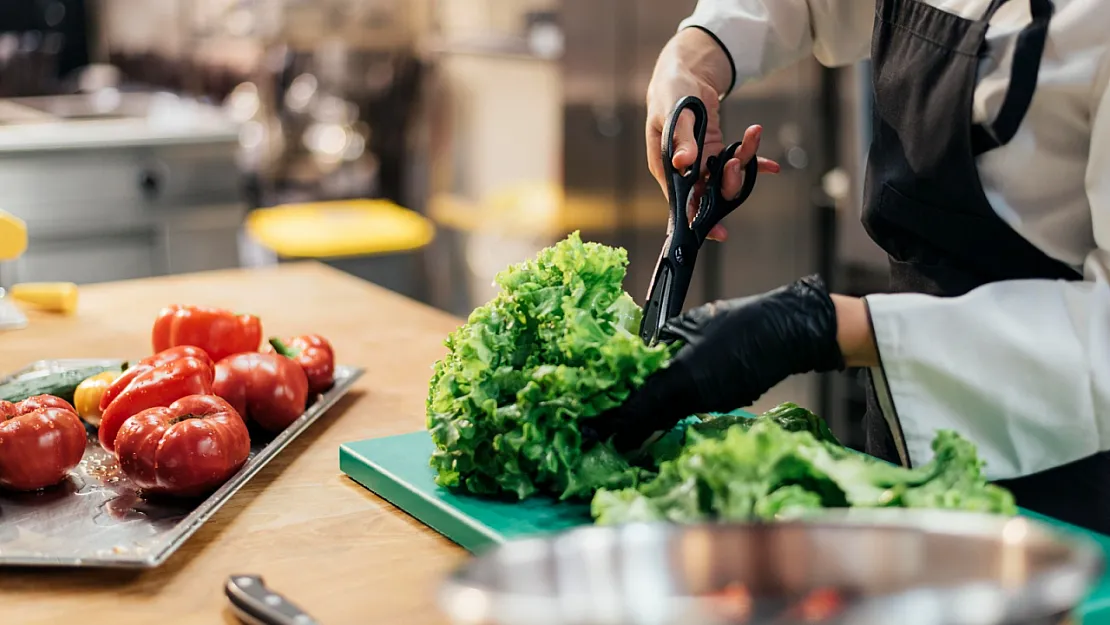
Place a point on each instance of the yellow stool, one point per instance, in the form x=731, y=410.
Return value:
x=375, y=240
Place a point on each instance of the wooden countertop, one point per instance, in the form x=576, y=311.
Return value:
x=331, y=546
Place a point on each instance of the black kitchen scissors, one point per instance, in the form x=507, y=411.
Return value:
x=675, y=267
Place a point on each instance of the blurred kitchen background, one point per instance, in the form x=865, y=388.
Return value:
x=419, y=144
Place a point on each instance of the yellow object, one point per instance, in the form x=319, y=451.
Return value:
x=13, y=236
x=86, y=399
x=545, y=210
x=339, y=229
x=53, y=296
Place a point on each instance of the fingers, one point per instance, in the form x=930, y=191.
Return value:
x=718, y=233
x=685, y=153
x=666, y=397
x=653, y=137
x=750, y=146
x=767, y=166
x=685, y=148
x=734, y=174
x=733, y=180
x=695, y=200
x=734, y=169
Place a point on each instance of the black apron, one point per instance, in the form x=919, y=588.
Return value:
x=924, y=203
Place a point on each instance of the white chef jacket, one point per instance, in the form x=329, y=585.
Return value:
x=1022, y=368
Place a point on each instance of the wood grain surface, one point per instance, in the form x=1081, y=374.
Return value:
x=332, y=547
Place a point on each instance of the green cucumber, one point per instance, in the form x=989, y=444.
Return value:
x=62, y=384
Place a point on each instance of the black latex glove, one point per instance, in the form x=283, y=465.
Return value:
x=732, y=353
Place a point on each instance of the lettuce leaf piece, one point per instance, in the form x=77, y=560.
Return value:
x=788, y=502
x=762, y=470
x=556, y=345
x=789, y=416
x=954, y=483
x=615, y=507
x=668, y=445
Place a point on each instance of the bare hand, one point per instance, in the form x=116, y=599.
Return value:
x=693, y=64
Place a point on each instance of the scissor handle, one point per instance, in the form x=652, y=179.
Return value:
x=714, y=206
x=675, y=269
x=681, y=184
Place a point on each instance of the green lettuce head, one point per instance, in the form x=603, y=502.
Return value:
x=557, y=344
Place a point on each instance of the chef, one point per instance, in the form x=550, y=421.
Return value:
x=988, y=185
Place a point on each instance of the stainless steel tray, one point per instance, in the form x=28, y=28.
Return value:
x=97, y=518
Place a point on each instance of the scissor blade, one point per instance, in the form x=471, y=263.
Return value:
x=656, y=310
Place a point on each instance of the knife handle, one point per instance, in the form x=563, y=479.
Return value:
x=256, y=604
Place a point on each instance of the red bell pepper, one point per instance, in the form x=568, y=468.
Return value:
x=41, y=440
x=158, y=386
x=314, y=354
x=218, y=332
x=187, y=448
x=269, y=389
x=148, y=363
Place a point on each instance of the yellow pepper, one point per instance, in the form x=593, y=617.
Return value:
x=86, y=399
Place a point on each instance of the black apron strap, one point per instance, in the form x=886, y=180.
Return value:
x=1023, y=79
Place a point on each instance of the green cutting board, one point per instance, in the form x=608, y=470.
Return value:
x=396, y=469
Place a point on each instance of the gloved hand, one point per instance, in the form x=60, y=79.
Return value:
x=732, y=353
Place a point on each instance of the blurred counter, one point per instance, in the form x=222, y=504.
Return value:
x=109, y=119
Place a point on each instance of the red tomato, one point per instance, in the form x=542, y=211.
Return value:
x=186, y=449
x=269, y=389
x=219, y=332
x=152, y=362
x=152, y=388
x=41, y=440
x=314, y=354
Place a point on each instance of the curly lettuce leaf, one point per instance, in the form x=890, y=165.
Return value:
x=557, y=344
x=788, y=502
x=789, y=416
x=762, y=470
x=955, y=480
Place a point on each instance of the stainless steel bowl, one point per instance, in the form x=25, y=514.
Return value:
x=882, y=567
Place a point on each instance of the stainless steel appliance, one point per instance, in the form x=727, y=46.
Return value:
x=119, y=185
x=861, y=567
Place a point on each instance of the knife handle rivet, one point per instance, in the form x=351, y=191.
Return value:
x=245, y=581
x=272, y=600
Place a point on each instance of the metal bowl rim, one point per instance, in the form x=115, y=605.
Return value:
x=1083, y=561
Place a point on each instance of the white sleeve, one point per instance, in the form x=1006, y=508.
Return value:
x=1022, y=368
x=761, y=36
